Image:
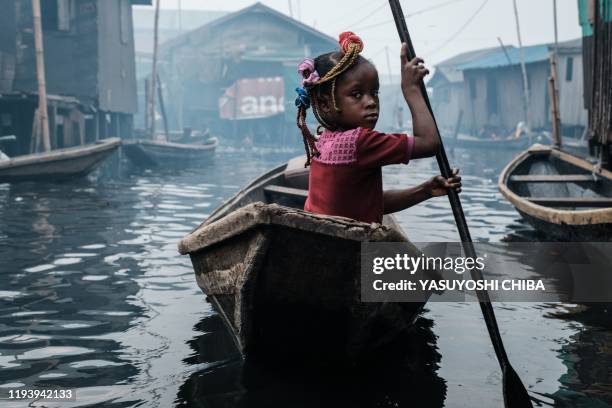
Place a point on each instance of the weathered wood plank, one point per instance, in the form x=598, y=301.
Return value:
x=572, y=201
x=286, y=191
x=553, y=178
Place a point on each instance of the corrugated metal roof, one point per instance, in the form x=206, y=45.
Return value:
x=255, y=8
x=499, y=58
x=467, y=56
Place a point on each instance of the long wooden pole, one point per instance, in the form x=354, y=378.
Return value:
x=153, y=80
x=523, y=69
x=552, y=84
x=554, y=108
x=43, y=117
x=503, y=47
x=515, y=394
x=556, y=29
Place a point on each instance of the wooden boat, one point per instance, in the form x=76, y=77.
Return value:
x=287, y=282
x=561, y=195
x=58, y=164
x=153, y=153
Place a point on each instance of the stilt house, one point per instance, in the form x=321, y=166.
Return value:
x=486, y=86
x=236, y=75
x=89, y=69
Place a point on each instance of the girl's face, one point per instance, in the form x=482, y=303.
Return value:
x=356, y=97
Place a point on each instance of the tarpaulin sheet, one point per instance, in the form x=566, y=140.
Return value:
x=253, y=98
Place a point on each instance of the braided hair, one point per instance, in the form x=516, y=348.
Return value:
x=319, y=78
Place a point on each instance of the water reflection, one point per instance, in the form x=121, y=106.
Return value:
x=403, y=378
x=588, y=358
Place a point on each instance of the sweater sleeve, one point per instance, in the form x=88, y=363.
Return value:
x=375, y=149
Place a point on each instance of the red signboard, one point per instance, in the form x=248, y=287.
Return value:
x=253, y=98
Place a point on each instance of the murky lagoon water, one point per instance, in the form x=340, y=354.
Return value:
x=94, y=296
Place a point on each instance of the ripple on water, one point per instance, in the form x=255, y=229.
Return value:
x=52, y=375
x=39, y=268
x=10, y=295
x=93, y=246
x=94, y=278
x=30, y=313
x=57, y=351
x=67, y=261
x=94, y=363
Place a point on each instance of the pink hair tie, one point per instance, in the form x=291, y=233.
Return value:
x=347, y=38
x=308, y=72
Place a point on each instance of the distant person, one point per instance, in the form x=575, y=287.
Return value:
x=206, y=133
x=347, y=158
x=521, y=129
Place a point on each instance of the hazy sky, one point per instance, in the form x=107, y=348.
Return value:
x=443, y=29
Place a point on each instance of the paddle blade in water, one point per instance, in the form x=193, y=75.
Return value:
x=515, y=394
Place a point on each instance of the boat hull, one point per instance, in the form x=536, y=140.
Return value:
x=559, y=194
x=287, y=283
x=147, y=153
x=58, y=164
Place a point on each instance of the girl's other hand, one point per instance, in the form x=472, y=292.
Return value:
x=438, y=186
x=413, y=71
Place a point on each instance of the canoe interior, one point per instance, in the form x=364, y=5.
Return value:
x=291, y=175
x=579, y=184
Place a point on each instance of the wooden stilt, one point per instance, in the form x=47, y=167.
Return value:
x=40, y=76
x=153, y=86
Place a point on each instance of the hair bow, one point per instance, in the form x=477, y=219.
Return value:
x=308, y=72
x=347, y=38
x=302, y=100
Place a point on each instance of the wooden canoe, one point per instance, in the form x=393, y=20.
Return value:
x=561, y=195
x=58, y=164
x=287, y=282
x=154, y=153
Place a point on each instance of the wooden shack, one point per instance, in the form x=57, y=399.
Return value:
x=89, y=67
x=236, y=75
x=448, y=88
x=487, y=86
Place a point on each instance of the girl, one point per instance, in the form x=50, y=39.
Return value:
x=346, y=159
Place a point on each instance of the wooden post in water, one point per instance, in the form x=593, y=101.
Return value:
x=42, y=116
x=523, y=70
x=153, y=86
x=554, y=107
x=552, y=87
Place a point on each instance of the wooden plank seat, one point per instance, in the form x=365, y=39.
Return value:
x=572, y=201
x=289, y=192
x=553, y=178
